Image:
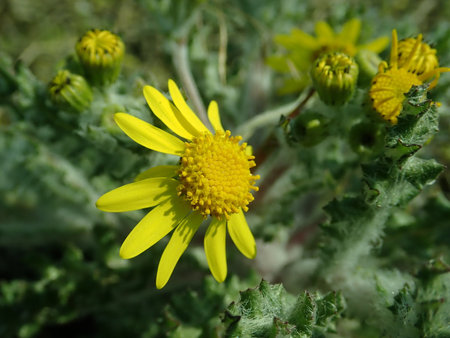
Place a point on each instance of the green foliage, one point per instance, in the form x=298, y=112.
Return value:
x=350, y=209
x=269, y=311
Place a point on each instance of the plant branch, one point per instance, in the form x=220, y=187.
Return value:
x=180, y=60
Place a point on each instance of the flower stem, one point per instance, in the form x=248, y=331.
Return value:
x=271, y=117
x=302, y=104
x=180, y=60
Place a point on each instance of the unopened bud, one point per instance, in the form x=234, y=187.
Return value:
x=334, y=77
x=101, y=53
x=70, y=91
x=367, y=138
x=309, y=129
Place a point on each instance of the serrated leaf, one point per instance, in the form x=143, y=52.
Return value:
x=412, y=132
x=304, y=313
x=269, y=311
x=397, y=185
x=404, y=306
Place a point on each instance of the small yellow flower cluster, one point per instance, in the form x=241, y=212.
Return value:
x=412, y=62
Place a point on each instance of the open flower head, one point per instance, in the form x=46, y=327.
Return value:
x=302, y=49
x=412, y=67
x=213, y=180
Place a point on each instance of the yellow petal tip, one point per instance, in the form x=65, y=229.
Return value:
x=160, y=283
x=118, y=116
x=125, y=254
x=220, y=279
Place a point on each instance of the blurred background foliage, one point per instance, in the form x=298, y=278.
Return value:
x=60, y=273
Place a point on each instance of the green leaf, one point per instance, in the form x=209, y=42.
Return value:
x=417, y=125
x=269, y=311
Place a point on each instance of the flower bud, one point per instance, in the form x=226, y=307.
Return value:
x=70, y=91
x=101, y=53
x=309, y=129
x=424, y=59
x=368, y=63
x=367, y=138
x=334, y=77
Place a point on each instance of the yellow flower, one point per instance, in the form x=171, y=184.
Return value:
x=423, y=60
x=213, y=179
x=303, y=49
x=392, y=82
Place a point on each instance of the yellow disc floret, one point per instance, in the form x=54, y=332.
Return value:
x=423, y=60
x=388, y=92
x=215, y=175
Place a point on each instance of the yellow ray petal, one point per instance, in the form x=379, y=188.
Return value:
x=413, y=52
x=161, y=107
x=241, y=235
x=215, y=249
x=394, y=50
x=297, y=38
x=154, y=226
x=323, y=30
x=377, y=45
x=159, y=171
x=185, y=122
x=134, y=196
x=186, y=112
x=149, y=136
x=214, y=117
x=278, y=63
x=350, y=31
x=304, y=40
x=177, y=245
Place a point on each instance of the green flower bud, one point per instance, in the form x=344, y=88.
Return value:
x=70, y=91
x=309, y=129
x=101, y=53
x=367, y=139
x=368, y=63
x=334, y=76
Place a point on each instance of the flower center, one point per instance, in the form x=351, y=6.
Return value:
x=215, y=175
x=388, y=91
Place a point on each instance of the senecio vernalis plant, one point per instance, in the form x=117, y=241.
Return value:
x=334, y=172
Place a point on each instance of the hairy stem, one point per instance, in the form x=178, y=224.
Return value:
x=270, y=117
x=180, y=60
